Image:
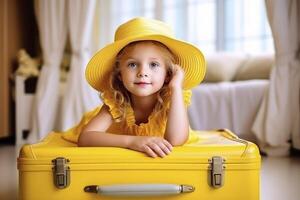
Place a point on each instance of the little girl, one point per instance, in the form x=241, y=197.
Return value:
x=144, y=78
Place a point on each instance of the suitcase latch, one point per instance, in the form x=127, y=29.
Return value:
x=61, y=172
x=216, y=175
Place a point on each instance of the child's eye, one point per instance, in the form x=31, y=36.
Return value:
x=154, y=64
x=132, y=65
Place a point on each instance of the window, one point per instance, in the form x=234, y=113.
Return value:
x=246, y=27
x=212, y=25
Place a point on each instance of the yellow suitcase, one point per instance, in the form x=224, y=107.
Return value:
x=218, y=166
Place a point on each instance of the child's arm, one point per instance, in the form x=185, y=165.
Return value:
x=177, y=129
x=94, y=134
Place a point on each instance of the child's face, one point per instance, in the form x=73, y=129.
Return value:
x=143, y=70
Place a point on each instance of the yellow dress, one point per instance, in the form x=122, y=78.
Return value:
x=155, y=126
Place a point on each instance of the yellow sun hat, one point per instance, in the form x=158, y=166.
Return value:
x=187, y=55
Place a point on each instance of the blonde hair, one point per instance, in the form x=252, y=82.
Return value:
x=120, y=93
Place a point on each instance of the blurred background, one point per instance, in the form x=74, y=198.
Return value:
x=252, y=84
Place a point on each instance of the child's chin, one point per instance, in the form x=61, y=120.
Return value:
x=143, y=93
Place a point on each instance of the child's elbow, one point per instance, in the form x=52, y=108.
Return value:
x=178, y=139
x=82, y=142
x=175, y=141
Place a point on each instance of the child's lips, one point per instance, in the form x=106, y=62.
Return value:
x=142, y=83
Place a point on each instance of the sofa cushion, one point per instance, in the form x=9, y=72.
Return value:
x=223, y=66
x=256, y=67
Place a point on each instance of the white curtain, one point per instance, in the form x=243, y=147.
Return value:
x=79, y=97
x=52, y=26
x=278, y=119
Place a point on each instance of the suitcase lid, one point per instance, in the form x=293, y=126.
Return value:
x=210, y=143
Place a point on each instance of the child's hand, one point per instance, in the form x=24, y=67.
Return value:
x=152, y=146
x=177, y=77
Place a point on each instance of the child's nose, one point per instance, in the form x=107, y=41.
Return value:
x=143, y=72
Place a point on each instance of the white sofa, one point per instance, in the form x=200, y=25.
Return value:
x=231, y=93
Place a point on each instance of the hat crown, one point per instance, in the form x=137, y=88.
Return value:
x=142, y=27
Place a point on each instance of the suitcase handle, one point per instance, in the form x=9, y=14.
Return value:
x=139, y=189
x=228, y=134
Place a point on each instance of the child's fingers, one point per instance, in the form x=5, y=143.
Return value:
x=177, y=68
x=174, y=68
x=150, y=152
x=164, y=148
x=168, y=145
x=157, y=149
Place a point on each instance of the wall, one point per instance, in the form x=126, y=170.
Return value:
x=18, y=30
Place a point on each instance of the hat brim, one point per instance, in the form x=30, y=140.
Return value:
x=189, y=58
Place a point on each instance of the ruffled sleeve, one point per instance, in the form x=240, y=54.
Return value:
x=108, y=99
x=187, y=95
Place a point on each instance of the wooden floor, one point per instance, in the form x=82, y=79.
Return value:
x=280, y=177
